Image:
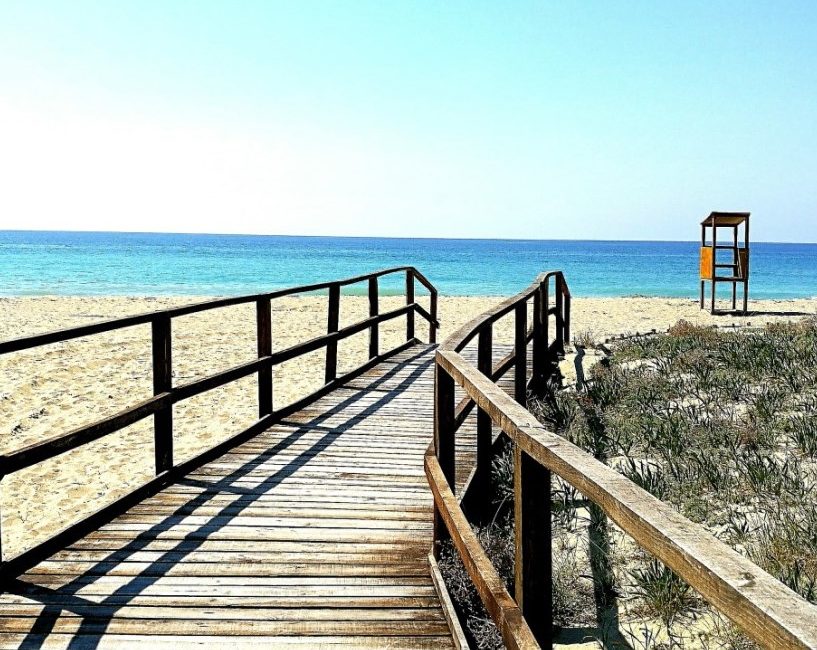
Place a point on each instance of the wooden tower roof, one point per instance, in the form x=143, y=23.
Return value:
x=726, y=218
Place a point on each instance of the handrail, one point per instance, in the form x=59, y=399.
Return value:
x=166, y=395
x=51, y=447
x=498, y=602
x=58, y=336
x=448, y=417
x=466, y=333
x=762, y=606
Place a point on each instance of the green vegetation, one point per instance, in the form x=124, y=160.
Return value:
x=720, y=424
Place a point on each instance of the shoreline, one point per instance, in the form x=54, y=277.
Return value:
x=25, y=315
x=364, y=293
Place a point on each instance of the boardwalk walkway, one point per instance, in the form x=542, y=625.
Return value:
x=314, y=533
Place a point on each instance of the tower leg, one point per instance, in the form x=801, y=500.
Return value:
x=746, y=296
x=703, y=282
x=714, y=262
x=734, y=295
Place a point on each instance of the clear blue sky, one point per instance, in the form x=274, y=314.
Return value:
x=487, y=119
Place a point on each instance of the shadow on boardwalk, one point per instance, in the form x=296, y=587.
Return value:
x=95, y=616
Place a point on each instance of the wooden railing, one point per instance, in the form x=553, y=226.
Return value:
x=165, y=394
x=761, y=605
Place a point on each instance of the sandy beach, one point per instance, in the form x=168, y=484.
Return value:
x=50, y=390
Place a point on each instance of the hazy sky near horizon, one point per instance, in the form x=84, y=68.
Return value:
x=606, y=120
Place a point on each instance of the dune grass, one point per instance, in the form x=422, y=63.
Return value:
x=720, y=424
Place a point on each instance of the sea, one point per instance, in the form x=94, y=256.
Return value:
x=34, y=263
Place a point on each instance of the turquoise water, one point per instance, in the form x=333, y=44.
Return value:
x=63, y=263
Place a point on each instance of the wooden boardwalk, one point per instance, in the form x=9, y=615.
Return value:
x=314, y=533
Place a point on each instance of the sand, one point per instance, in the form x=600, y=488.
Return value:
x=50, y=390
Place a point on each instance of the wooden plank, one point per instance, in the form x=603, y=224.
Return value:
x=384, y=481
x=246, y=613
x=280, y=642
x=315, y=443
x=153, y=569
x=466, y=404
x=91, y=543
x=270, y=522
x=291, y=598
x=395, y=494
x=148, y=627
x=265, y=528
x=277, y=586
x=450, y=612
x=311, y=510
x=393, y=555
x=107, y=545
x=317, y=510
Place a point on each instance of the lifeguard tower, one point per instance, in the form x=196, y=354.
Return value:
x=736, y=266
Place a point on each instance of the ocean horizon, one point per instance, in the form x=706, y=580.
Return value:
x=63, y=263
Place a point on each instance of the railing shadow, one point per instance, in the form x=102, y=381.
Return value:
x=609, y=639
x=761, y=312
x=750, y=313
x=97, y=615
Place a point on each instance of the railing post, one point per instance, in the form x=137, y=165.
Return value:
x=539, y=338
x=162, y=382
x=263, y=314
x=432, y=326
x=546, y=313
x=481, y=483
x=560, y=310
x=714, y=264
x=444, y=438
x=409, y=300
x=520, y=391
x=331, y=327
x=533, y=570
x=566, y=307
x=374, y=310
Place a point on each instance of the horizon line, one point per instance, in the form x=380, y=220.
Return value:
x=403, y=237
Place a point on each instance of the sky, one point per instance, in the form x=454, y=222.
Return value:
x=536, y=120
